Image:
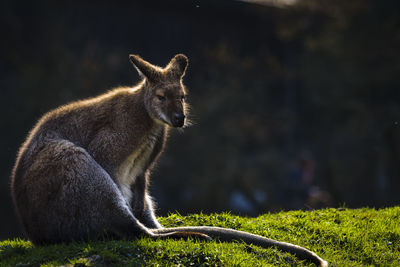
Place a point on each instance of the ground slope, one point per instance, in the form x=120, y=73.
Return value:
x=344, y=237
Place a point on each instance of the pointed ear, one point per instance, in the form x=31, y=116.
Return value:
x=144, y=68
x=178, y=65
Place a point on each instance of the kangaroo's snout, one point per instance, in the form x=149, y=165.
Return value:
x=178, y=119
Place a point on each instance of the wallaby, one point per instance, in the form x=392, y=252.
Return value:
x=84, y=169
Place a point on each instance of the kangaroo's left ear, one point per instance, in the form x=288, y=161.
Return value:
x=178, y=65
x=149, y=71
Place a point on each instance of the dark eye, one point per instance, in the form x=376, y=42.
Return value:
x=183, y=97
x=160, y=97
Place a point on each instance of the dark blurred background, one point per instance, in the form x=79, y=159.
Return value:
x=296, y=103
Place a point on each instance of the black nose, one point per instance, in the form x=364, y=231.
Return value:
x=178, y=119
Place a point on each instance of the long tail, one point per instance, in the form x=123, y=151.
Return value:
x=225, y=234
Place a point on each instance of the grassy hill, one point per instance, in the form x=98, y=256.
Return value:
x=343, y=237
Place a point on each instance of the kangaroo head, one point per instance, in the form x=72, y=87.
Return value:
x=164, y=91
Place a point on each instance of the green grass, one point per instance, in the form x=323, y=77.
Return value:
x=343, y=237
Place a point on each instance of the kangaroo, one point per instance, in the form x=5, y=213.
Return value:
x=83, y=171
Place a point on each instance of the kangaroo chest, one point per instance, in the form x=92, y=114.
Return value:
x=136, y=163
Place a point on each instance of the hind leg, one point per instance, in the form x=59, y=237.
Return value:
x=65, y=195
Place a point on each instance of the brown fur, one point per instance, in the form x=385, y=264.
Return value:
x=84, y=169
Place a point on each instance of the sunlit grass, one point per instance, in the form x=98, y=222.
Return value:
x=344, y=237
